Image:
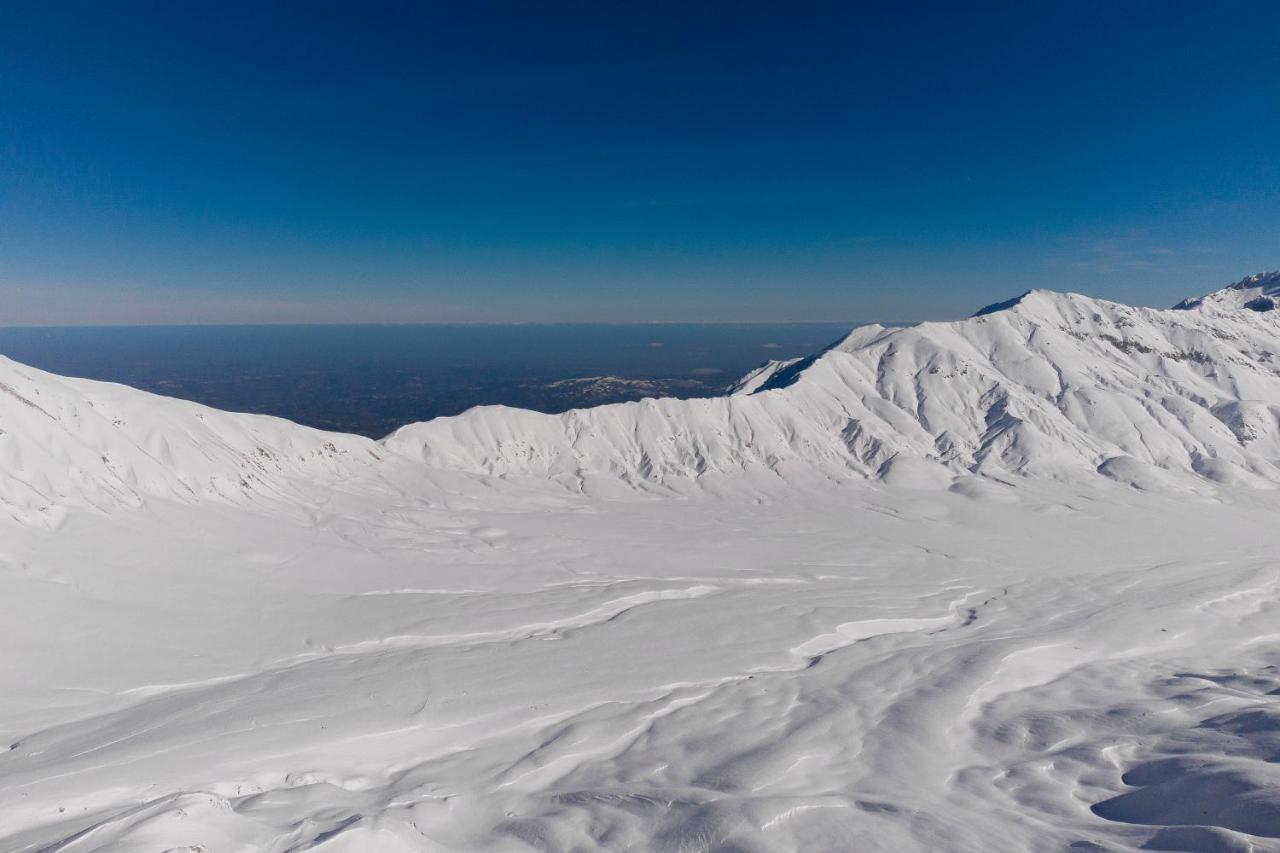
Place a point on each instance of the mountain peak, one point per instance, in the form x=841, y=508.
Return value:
x=1049, y=384
x=1035, y=296
x=1259, y=292
x=1001, y=306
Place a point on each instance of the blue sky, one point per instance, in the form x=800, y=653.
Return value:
x=599, y=162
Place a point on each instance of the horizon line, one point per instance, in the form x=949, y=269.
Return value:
x=456, y=324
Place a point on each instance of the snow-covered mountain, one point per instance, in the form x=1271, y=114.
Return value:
x=1053, y=385
x=306, y=641
x=1260, y=292
x=1049, y=384
x=75, y=442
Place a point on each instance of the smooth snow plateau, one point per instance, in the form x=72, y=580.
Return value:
x=1006, y=583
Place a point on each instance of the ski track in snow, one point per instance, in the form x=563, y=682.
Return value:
x=1004, y=584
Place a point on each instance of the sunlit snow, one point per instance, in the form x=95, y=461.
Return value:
x=1007, y=583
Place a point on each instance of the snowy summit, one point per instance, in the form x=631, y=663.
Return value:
x=1258, y=292
x=1050, y=384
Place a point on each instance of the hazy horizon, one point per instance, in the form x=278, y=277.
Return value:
x=372, y=379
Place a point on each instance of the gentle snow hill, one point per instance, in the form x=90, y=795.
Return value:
x=75, y=442
x=1053, y=385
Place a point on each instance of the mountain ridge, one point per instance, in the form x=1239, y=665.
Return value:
x=1259, y=292
x=1048, y=384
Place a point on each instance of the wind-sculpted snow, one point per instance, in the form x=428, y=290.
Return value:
x=1050, y=385
x=863, y=668
x=901, y=596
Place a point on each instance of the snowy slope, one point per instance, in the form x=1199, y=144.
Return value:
x=226, y=633
x=1052, y=384
x=1049, y=384
x=849, y=670
x=75, y=442
x=1259, y=292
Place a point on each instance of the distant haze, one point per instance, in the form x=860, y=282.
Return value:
x=373, y=379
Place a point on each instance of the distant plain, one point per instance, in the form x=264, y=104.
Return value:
x=369, y=380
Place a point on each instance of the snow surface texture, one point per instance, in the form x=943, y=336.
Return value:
x=1008, y=583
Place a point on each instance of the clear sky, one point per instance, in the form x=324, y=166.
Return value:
x=443, y=162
